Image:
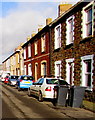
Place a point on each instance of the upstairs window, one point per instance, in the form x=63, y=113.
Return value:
x=36, y=48
x=24, y=53
x=43, y=43
x=70, y=30
x=87, y=20
x=58, y=36
x=29, y=50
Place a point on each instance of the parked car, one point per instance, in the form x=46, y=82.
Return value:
x=24, y=81
x=45, y=88
x=12, y=80
x=0, y=77
x=6, y=79
x=4, y=74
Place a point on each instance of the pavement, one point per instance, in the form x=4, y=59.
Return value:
x=74, y=113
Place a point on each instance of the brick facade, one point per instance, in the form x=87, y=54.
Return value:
x=80, y=47
x=41, y=56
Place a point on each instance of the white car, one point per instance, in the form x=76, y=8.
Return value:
x=45, y=88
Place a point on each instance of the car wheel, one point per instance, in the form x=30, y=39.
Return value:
x=16, y=86
x=40, y=98
x=19, y=89
x=29, y=93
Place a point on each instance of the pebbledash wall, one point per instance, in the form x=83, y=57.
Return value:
x=74, y=60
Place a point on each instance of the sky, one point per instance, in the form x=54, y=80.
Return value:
x=20, y=18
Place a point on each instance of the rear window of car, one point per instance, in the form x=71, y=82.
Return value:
x=27, y=78
x=14, y=77
x=7, y=76
x=56, y=81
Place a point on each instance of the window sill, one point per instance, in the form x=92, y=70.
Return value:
x=57, y=50
x=69, y=46
x=36, y=54
x=29, y=57
x=86, y=39
x=43, y=52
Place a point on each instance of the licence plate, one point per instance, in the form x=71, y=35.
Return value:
x=27, y=82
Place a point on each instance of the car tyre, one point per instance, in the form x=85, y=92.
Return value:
x=16, y=86
x=29, y=93
x=19, y=89
x=40, y=98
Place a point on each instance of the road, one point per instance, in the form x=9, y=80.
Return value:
x=17, y=104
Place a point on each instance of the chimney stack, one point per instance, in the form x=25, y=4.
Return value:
x=63, y=7
x=48, y=21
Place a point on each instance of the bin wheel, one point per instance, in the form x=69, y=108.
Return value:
x=40, y=98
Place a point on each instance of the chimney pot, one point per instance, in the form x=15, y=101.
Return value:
x=28, y=38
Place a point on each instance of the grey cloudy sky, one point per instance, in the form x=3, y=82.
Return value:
x=20, y=18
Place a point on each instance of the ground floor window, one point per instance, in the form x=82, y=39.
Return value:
x=29, y=69
x=36, y=71
x=25, y=70
x=58, y=68
x=70, y=71
x=87, y=68
x=43, y=68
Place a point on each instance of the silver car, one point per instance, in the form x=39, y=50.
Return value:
x=45, y=88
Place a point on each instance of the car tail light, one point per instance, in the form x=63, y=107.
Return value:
x=55, y=89
x=48, y=89
x=20, y=80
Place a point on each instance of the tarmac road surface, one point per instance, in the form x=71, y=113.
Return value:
x=17, y=104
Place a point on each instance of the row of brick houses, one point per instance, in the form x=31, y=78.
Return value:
x=65, y=47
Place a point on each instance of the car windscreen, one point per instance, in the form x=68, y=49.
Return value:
x=27, y=78
x=56, y=81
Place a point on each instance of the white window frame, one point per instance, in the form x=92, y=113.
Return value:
x=36, y=47
x=43, y=43
x=42, y=67
x=25, y=69
x=57, y=38
x=18, y=58
x=57, y=74
x=29, y=69
x=84, y=27
x=71, y=60
x=68, y=35
x=83, y=69
x=29, y=50
x=24, y=53
x=36, y=70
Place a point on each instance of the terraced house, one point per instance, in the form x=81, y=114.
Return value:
x=64, y=48
x=37, y=53
x=73, y=45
